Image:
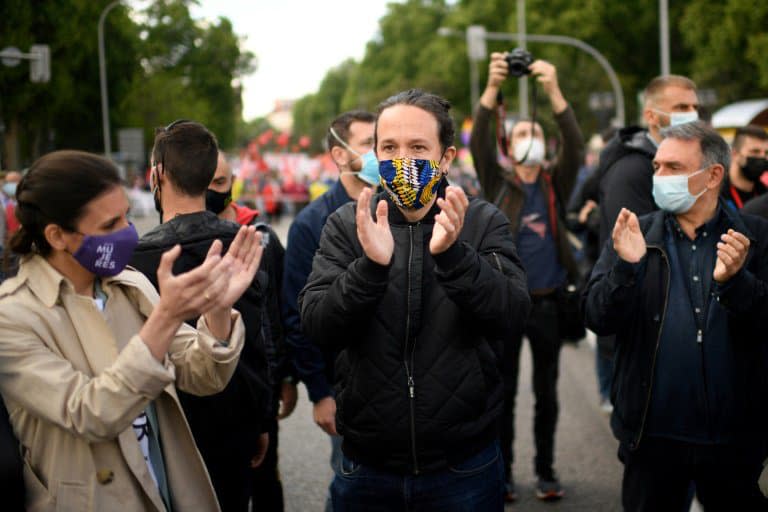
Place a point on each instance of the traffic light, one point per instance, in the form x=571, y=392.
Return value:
x=40, y=65
x=476, y=47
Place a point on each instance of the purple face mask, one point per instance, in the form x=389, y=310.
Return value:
x=107, y=255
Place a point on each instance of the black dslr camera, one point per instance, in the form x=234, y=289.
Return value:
x=518, y=61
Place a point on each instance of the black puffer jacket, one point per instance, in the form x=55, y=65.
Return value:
x=625, y=175
x=229, y=421
x=417, y=381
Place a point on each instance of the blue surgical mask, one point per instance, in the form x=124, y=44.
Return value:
x=9, y=189
x=678, y=118
x=369, y=172
x=671, y=192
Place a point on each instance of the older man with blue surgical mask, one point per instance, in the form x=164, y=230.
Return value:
x=685, y=291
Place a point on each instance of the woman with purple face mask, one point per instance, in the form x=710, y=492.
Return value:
x=91, y=355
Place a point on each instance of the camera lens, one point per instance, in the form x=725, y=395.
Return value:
x=518, y=61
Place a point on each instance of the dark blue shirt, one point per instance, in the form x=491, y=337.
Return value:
x=535, y=243
x=312, y=366
x=694, y=374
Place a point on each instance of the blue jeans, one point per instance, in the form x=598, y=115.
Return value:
x=475, y=484
x=336, y=458
x=604, y=366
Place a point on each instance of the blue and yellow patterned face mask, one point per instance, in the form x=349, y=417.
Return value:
x=410, y=182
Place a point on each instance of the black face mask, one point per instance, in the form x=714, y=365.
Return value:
x=754, y=168
x=216, y=201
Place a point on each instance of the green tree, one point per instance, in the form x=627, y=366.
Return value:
x=313, y=113
x=162, y=65
x=730, y=46
x=188, y=70
x=401, y=56
x=721, y=45
x=66, y=111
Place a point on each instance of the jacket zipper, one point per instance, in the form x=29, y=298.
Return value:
x=700, y=342
x=409, y=370
x=699, y=339
x=498, y=263
x=656, y=351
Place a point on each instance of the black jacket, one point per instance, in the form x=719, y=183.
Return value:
x=11, y=466
x=417, y=382
x=757, y=206
x=632, y=306
x=625, y=175
x=233, y=418
x=556, y=181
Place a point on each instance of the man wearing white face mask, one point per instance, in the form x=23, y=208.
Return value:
x=533, y=196
x=685, y=291
x=625, y=164
x=350, y=142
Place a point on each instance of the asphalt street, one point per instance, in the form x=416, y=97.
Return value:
x=585, y=454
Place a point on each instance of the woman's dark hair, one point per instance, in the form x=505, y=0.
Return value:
x=56, y=190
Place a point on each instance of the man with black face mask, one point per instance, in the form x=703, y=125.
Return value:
x=748, y=163
x=231, y=427
x=265, y=479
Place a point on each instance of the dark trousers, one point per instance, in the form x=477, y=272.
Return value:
x=472, y=485
x=658, y=476
x=11, y=466
x=266, y=487
x=604, y=367
x=542, y=332
x=229, y=475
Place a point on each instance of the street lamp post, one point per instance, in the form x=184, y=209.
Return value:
x=476, y=51
x=664, y=36
x=522, y=88
x=103, y=80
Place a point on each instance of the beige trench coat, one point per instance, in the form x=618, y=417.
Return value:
x=74, y=379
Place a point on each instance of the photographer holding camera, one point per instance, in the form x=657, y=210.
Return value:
x=532, y=195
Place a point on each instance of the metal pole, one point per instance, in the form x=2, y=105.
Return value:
x=523, y=80
x=103, y=80
x=570, y=41
x=664, y=35
x=474, y=86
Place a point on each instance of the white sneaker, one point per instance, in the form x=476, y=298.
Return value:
x=606, y=407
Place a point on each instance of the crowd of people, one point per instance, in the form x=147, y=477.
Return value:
x=150, y=373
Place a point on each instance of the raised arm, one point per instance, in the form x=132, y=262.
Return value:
x=350, y=273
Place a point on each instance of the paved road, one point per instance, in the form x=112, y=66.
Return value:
x=586, y=450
